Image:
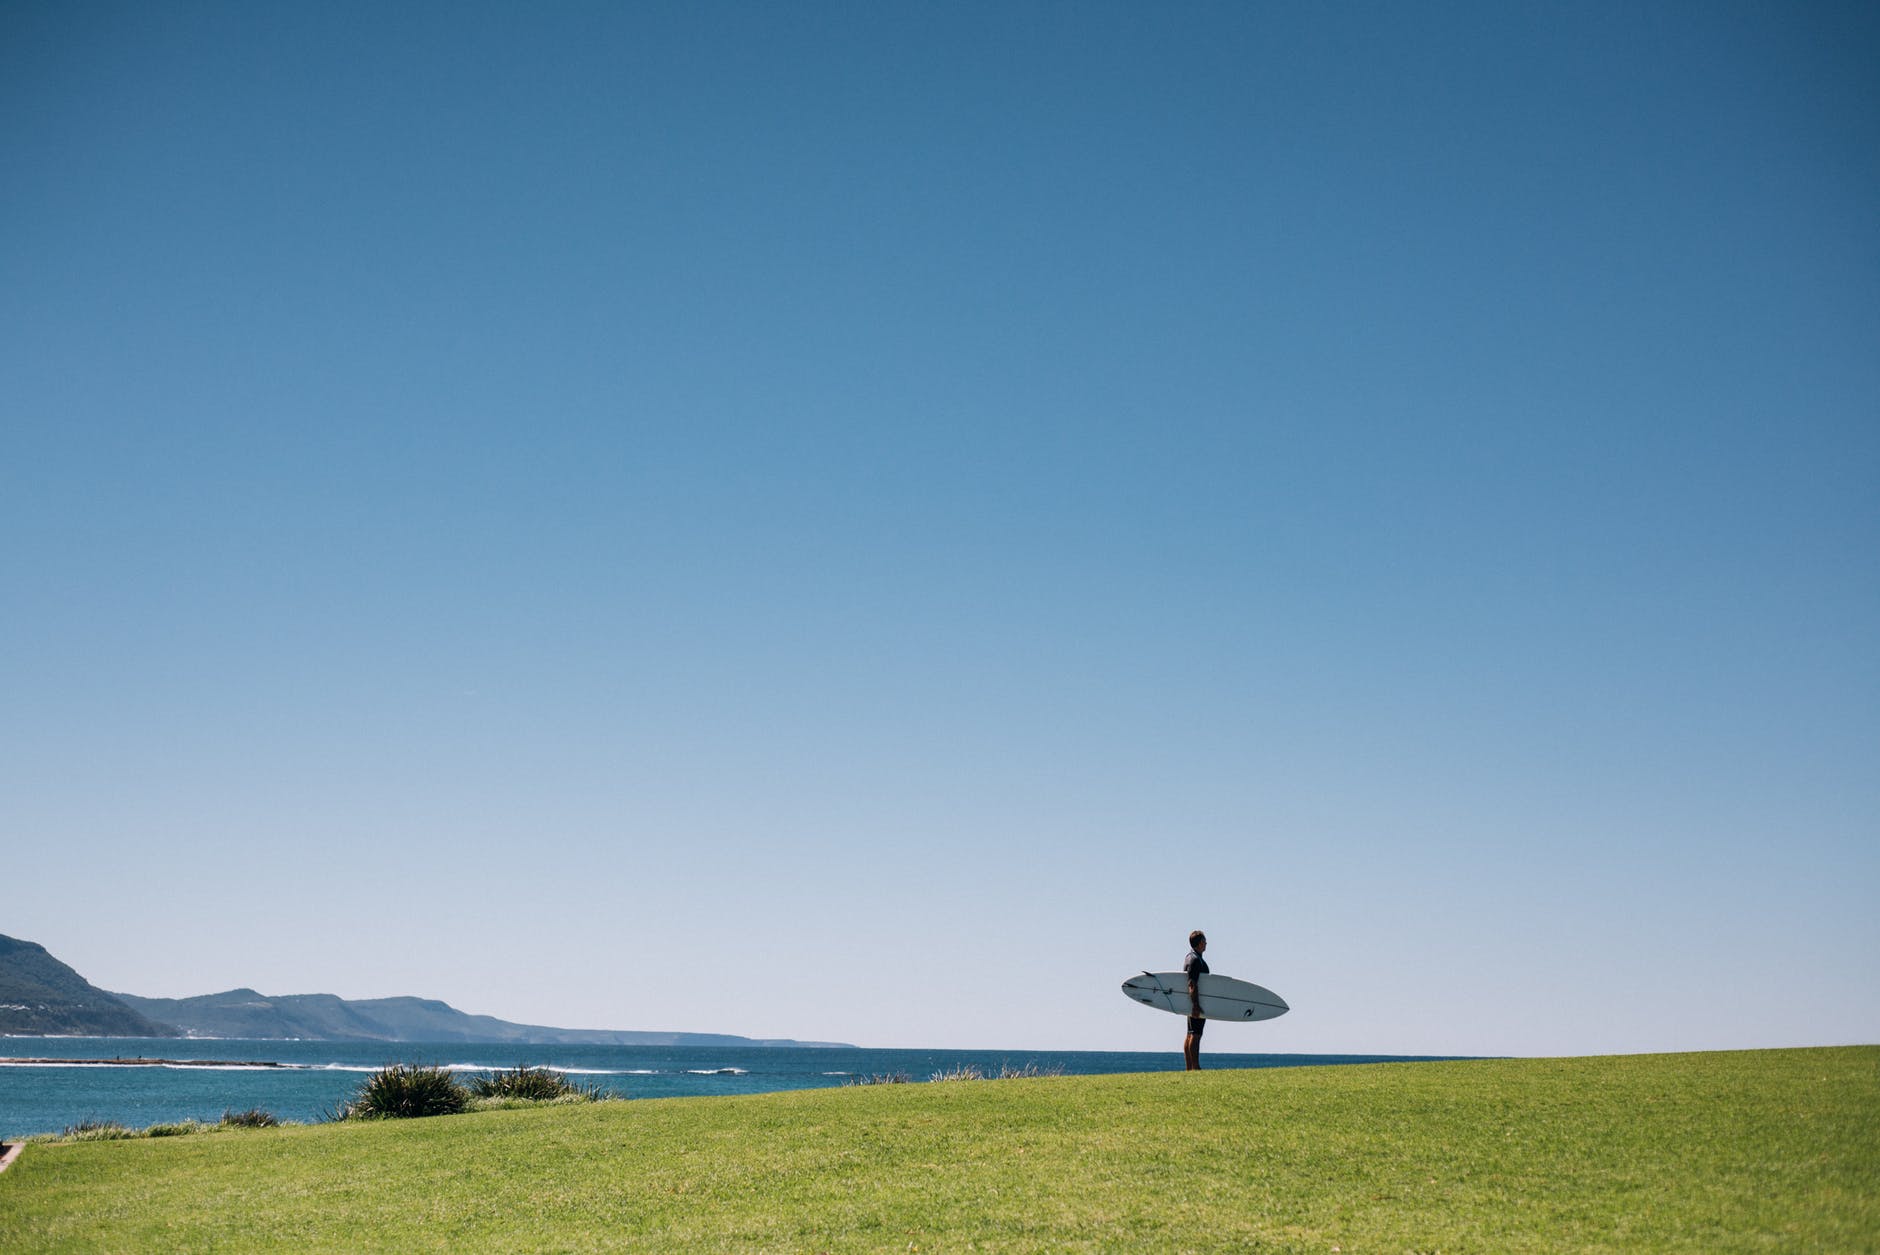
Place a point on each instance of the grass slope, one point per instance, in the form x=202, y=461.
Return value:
x=1750, y=1151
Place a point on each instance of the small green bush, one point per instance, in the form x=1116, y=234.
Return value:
x=253, y=1118
x=535, y=1084
x=405, y=1091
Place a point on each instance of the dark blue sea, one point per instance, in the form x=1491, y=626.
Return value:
x=319, y=1075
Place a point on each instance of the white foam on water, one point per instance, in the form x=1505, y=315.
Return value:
x=603, y=1071
x=550, y=1067
x=536, y=1067
x=717, y=1072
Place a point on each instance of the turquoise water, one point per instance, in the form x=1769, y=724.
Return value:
x=42, y=1098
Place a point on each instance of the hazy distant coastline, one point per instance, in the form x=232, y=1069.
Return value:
x=43, y=997
x=246, y=1014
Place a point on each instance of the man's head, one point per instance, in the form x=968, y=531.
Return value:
x=1197, y=940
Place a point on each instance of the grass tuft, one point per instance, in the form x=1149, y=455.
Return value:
x=253, y=1118
x=497, y=1103
x=879, y=1078
x=179, y=1128
x=1006, y=1072
x=97, y=1131
x=1027, y=1071
x=112, y=1131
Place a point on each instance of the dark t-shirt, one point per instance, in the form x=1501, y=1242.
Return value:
x=1196, y=967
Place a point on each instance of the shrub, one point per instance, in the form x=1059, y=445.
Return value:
x=960, y=1072
x=534, y=1084
x=880, y=1078
x=97, y=1131
x=403, y=1091
x=253, y=1118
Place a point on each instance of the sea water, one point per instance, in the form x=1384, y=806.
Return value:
x=316, y=1077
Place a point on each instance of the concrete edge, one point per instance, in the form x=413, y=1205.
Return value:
x=9, y=1152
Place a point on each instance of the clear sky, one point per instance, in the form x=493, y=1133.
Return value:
x=871, y=521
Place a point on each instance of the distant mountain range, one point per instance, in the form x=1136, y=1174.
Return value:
x=40, y=996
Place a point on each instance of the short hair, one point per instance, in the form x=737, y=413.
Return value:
x=1196, y=936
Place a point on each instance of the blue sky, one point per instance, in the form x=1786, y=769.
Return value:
x=870, y=522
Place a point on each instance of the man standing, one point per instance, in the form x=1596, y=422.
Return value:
x=1195, y=967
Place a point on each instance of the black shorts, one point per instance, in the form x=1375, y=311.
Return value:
x=1196, y=1023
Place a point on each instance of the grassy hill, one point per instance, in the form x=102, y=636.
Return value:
x=1750, y=1151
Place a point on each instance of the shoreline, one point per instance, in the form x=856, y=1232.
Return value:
x=139, y=1061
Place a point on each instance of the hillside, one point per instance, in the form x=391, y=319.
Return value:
x=1752, y=1151
x=42, y=997
x=326, y=1017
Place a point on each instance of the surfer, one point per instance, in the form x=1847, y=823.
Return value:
x=1195, y=968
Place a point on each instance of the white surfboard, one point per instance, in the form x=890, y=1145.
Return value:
x=1222, y=997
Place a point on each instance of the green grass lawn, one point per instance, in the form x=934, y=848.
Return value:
x=1745, y=1151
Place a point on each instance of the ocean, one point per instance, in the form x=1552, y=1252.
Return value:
x=316, y=1076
